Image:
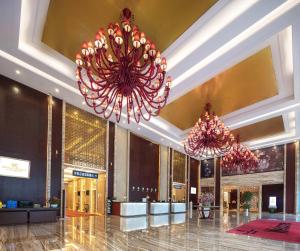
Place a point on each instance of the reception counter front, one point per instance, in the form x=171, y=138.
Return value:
x=131, y=209
x=127, y=209
x=178, y=208
x=159, y=208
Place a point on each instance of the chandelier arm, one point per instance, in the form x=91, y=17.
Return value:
x=92, y=80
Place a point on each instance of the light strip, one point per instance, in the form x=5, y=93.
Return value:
x=275, y=143
x=37, y=71
x=236, y=40
x=241, y=123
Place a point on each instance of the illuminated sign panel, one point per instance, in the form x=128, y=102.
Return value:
x=193, y=190
x=14, y=167
x=85, y=174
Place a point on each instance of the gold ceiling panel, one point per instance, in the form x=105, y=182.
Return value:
x=70, y=22
x=261, y=129
x=244, y=84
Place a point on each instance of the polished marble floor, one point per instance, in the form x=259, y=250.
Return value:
x=163, y=232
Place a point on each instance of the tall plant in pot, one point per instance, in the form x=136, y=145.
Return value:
x=246, y=201
x=205, y=200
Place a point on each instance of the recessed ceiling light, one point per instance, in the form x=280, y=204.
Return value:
x=56, y=90
x=16, y=90
x=18, y=72
x=83, y=102
x=123, y=121
x=139, y=128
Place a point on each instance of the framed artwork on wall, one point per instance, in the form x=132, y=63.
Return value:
x=16, y=168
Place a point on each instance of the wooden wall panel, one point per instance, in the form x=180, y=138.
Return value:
x=290, y=178
x=218, y=182
x=171, y=173
x=111, y=164
x=272, y=190
x=56, y=148
x=143, y=169
x=194, y=174
x=23, y=135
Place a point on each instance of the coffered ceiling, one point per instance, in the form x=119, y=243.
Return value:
x=244, y=84
x=241, y=56
x=269, y=127
x=70, y=22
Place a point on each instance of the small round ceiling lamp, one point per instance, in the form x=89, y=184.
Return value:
x=123, y=72
x=209, y=136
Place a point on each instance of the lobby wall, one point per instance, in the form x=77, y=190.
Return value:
x=272, y=190
x=194, y=180
x=143, y=169
x=23, y=135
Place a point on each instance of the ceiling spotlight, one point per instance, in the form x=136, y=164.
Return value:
x=56, y=90
x=18, y=72
x=16, y=90
x=139, y=128
x=83, y=102
x=124, y=121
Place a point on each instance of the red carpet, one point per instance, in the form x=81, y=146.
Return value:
x=70, y=213
x=270, y=229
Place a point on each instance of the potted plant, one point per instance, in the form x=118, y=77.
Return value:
x=54, y=202
x=205, y=201
x=246, y=201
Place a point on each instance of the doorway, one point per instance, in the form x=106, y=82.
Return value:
x=85, y=196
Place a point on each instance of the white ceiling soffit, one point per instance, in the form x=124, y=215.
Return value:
x=229, y=32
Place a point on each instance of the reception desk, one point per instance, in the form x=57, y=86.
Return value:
x=178, y=208
x=127, y=209
x=159, y=208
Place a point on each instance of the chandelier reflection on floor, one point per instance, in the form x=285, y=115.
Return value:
x=123, y=72
x=240, y=157
x=208, y=137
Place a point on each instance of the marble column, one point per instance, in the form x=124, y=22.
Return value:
x=121, y=159
x=163, y=173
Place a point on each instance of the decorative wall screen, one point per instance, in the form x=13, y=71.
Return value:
x=269, y=159
x=178, y=167
x=85, y=139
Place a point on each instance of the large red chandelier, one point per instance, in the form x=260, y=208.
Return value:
x=208, y=137
x=239, y=159
x=123, y=72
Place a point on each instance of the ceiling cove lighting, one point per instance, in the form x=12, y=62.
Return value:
x=123, y=71
x=208, y=137
x=240, y=157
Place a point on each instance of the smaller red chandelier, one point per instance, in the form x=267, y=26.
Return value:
x=208, y=137
x=123, y=71
x=239, y=159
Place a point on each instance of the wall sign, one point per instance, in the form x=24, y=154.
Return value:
x=193, y=190
x=85, y=174
x=17, y=168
